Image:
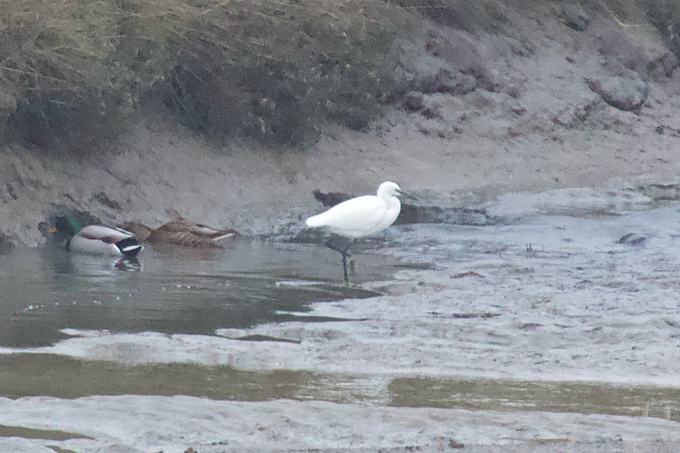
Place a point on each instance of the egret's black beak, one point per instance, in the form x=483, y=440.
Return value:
x=401, y=192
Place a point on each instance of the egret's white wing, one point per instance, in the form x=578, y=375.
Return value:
x=353, y=218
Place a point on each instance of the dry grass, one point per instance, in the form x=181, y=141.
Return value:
x=75, y=72
x=270, y=69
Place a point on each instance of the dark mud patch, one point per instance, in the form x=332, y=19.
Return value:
x=661, y=192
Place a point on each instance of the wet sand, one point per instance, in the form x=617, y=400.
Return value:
x=542, y=334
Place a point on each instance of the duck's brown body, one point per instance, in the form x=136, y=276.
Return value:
x=189, y=234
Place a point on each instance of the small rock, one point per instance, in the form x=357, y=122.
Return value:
x=455, y=444
x=632, y=239
x=621, y=92
x=330, y=199
x=6, y=245
x=413, y=101
x=468, y=274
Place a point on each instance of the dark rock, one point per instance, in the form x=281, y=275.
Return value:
x=413, y=101
x=632, y=239
x=330, y=199
x=622, y=93
x=661, y=192
x=6, y=245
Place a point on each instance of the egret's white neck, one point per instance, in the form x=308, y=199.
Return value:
x=387, y=194
x=393, y=204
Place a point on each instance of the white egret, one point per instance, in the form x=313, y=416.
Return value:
x=359, y=217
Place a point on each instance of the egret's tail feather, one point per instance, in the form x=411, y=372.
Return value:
x=315, y=221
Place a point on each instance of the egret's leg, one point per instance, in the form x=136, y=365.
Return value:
x=344, y=266
x=341, y=244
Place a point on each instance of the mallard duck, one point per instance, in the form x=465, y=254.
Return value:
x=104, y=240
x=187, y=233
x=97, y=239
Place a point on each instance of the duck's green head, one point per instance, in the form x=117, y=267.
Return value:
x=66, y=226
x=66, y=223
x=58, y=230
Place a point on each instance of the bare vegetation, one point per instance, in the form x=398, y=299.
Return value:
x=76, y=72
x=72, y=69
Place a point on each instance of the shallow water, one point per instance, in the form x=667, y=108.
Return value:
x=23, y=375
x=178, y=291
x=548, y=314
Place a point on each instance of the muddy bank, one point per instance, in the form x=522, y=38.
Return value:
x=532, y=121
x=544, y=335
